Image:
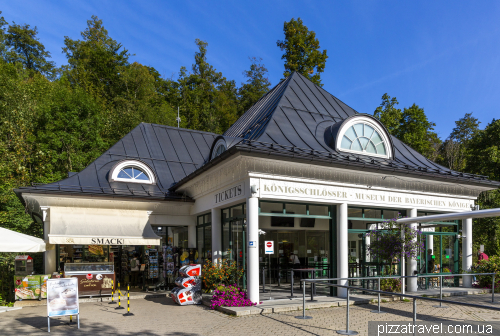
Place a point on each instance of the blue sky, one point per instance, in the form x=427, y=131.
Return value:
x=442, y=55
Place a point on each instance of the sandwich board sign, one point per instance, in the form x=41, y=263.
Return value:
x=269, y=246
x=62, y=298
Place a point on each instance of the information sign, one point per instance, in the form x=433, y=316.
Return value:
x=62, y=297
x=269, y=246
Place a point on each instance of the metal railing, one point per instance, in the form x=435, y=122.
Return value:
x=379, y=292
x=412, y=277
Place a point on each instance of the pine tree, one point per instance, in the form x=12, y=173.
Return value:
x=302, y=52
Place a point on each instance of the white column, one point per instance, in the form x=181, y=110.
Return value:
x=467, y=250
x=192, y=236
x=49, y=256
x=430, y=244
x=412, y=263
x=216, y=235
x=342, y=248
x=253, y=248
x=403, y=265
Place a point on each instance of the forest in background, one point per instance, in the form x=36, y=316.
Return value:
x=56, y=120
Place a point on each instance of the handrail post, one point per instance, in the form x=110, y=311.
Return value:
x=378, y=311
x=493, y=289
x=347, y=331
x=304, y=317
x=414, y=311
x=440, y=292
x=264, y=280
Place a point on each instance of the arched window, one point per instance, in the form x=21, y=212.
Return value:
x=132, y=171
x=362, y=135
x=219, y=148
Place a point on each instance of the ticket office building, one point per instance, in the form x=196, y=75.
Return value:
x=300, y=168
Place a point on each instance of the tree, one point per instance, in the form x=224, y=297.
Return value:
x=388, y=114
x=484, y=158
x=256, y=86
x=455, y=147
x=302, y=52
x=95, y=62
x=208, y=101
x=23, y=46
x=3, y=47
x=410, y=126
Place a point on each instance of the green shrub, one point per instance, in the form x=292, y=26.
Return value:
x=226, y=273
x=390, y=285
x=492, y=265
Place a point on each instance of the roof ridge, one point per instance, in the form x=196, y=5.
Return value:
x=178, y=128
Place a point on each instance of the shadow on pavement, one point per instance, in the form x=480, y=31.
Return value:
x=63, y=327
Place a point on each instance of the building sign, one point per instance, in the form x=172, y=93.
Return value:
x=303, y=191
x=228, y=194
x=252, y=244
x=107, y=241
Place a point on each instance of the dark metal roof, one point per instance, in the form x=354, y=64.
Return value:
x=291, y=120
x=288, y=122
x=172, y=153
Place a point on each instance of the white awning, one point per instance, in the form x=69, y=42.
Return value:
x=12, y=241
x=90, y=226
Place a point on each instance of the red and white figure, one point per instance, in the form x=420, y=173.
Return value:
x=188, y=290
x=90, y=276
x=192, y=270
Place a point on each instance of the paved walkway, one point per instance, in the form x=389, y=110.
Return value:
x=159, y=316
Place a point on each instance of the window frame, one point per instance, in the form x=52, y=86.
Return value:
x=132, y=164
x=218, y=144
x=367, y=121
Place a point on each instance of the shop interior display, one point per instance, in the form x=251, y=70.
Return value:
x=188, y=290
x=173, y=259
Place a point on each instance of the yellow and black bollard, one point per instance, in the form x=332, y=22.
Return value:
x=128, y=313
x=70, y=319
x=112, y=292
x=119, y=298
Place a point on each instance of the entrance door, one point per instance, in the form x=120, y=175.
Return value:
x=237, y=245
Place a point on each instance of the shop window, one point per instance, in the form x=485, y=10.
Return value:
x=318, y=210
x=237, y=211
x=270, y=207
x=390, y=214
x=293, y=208
x=204, y=237
x=373, y=213
x=282, y=221
x=355, y=212
x=132, y=171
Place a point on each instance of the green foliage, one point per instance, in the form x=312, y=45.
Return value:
x=302, y=52
x=7, y=279
x=483, y=157
x=410, y=126
x=492, y=265
x=256, y=86
x=208, y=101
x=226, y=272
x=456, y=147
x=25, y=48
x=96, y=61
x=390, y=285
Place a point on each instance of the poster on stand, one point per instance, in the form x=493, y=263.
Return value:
x=27, y=287
x=62, y=297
